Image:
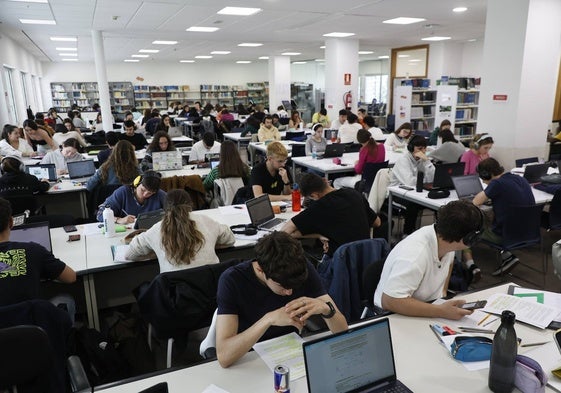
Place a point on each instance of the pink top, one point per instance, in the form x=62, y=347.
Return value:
x=472, y=160
x=363, y=157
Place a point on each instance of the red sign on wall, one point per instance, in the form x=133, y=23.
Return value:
x=500, y=97
x=347, y=79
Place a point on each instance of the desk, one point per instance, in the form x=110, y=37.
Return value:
x=422, y=363
x=239, y=139
x=65, y=197
x=187, y=170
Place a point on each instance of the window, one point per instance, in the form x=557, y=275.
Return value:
x=375, y=87
x=10, y=98
x=25, y=89
x=36, y=82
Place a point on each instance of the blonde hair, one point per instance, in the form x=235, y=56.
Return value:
x=180, y=238
x=276, y=149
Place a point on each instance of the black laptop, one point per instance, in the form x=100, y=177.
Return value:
x=147, y=219
x=81, y=169
x=534, y=172
x=262, y=215
x=334, y=150
x=467, y=187
x=443, y=176
x=360, y=359
x=37, y=232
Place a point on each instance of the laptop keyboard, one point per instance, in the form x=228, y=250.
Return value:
x=273, y=223
x=397, y=389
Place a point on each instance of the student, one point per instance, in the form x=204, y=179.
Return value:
x=341, y=216
x=370, y=152
x=268, y=132
x=277, y=124
x=38, y=139
x=160, y=142
x=67, y=131
x=505, y=190
x=418, y=268
x=479, y=150
x=347, y=132
x=111, y=139
x=361, y=114
x=77, y=120
x=271, y=177
x=252, y=125
x=444, y=125
x=376, y=132
x=181, y=240
x=208, y=145
x=60, y=157
x=164, y=124
x=231, y=165
x=53, y=118
x=400, y=137
x=153, y=122
x=339, y=121
x=281, y=111
x=450, y=151
x=321, y=117
x=288, y=289
x=137, y=140
x=144, y=195
x=15, y=182
x=295, y=120
x=316, y=141
x=120, y=168
x=12, y=144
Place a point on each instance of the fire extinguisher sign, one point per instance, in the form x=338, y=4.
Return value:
x=347, y=79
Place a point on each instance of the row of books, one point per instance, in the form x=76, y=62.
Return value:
x=464, y=114
x=467, y=98
x=422, y=111
x=418, y=83
x=464, y=130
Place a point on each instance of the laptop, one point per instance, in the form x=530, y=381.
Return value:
x=360, y=359
x=443, y=176
x=209, y=159
x=167, y=160
x=261, y=214
x=334, y=150
x=147, y=219
x=467, y=187
x=214, y=164
x=38, y=232
x=81, y=169
x=42, y=171
x=534, y=172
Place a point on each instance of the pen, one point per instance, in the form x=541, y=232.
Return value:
x=436, y=333
x=490, y=322
x=124, y=211
x=484, y=319
x=238, y=207
x=475, y=330
x=534, y=344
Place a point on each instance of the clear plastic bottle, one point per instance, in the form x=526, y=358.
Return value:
x=314, y=153
x=296, y=198
x=503, y=355
x=108, y=222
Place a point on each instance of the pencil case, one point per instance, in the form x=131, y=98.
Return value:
x=471, y=349
x=529, y=376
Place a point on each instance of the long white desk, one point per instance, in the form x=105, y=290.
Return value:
x=239, y=139
x=422, y=363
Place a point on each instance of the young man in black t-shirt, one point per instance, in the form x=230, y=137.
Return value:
x=271, y=177
x=138, y=140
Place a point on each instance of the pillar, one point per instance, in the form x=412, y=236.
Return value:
x=102, y=84
x=279, y=82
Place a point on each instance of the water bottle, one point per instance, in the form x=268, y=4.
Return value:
x=301, y=125
x=503, y=355
x=109, y=222
x=314, y=153
x=420, y=179
x=296, y=198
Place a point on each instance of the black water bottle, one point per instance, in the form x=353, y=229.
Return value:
x=503, y=355
x=420, y=179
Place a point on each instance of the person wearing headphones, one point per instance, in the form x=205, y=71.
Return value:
x=405, y=171
x=479, y=150
x=267, y=131
x=15, y=182
x=181, y=240
x=144, y=195
x=316, y=141
x=418, y=269
x=505, y=190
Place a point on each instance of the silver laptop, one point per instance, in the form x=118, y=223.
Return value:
x=360, y=359
x=167, y=160
x=43, y=171
x=262, y=215
x=37, y=232
x=467, y=187
x=81, y=169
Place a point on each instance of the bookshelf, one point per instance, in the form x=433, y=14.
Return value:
x=258, y=92
x=182, y=94
x=121, y=96
x=415, y=105
x=150, y=97
x=465, y=125
x=85, y=94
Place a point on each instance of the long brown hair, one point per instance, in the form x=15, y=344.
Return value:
x=123, y=161
x=231, y=164
x=364, y=136
x=180, y=238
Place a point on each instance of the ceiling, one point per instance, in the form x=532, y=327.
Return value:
x=281, y=26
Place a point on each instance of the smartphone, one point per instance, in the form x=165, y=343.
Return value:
x=73, y=238
x=474, y=305
x=557, y=338
x=406, y=187
x=69, y=228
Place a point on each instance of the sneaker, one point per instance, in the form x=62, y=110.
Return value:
x=506, y=266
x=505, y=255
x=475, y=273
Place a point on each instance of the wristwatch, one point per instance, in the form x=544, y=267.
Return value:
x=331, y=312
x=287, y=183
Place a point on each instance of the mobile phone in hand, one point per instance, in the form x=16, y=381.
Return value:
x=474, y=305
x=69, y=228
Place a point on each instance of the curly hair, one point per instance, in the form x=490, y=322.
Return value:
x=123, y=161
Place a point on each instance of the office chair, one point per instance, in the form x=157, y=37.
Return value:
x=97, y=197
x=298, y=150
x=369, y=172
x=54, y=220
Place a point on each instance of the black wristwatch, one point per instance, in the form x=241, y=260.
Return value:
x=331, y=311
x=287, y=184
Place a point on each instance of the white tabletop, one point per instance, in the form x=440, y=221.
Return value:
x=262, y=146
x=187, y=170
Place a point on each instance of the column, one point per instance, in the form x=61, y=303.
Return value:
x=4, y=103
x=341, y=74
x=279, y=81
x=102, y=84
x=520, y=66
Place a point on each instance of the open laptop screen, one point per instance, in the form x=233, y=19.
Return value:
x=36, y=232
x=78, y=169
x=260, y=210
x=42, y=171
x=467, y=186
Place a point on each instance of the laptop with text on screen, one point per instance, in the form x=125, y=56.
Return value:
x=81, y=169
x=167, y=160
x=262, y=215
x=360, y=359
x=467, y=187
x=443, y=176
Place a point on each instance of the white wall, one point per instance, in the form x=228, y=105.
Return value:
x=472, y=55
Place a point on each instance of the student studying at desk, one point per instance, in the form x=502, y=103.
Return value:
x=271, y=177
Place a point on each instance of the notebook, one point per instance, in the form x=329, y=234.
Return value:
x=42, y=171
x=81, y=169
x=167, y=160
x=147, y=219
x=443, y=176
x=38, y=232
x=534, y=172
x=334, y=150
x=261, y=214
x=360, y=359
x=467, y=187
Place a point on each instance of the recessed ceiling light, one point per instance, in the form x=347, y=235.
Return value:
x=319, y=60
x=415, y=60
x=148, y=51
x=264, y=58
x=472, y=40
x=402, y=20
x=403, y=56
x=203, y=57
x=365, y=52
x=298, y=62
x=38, y=21
x=67, y=49
x=220, y=52
x=242, y=11
x=202, y=29
x=383, y=57
x=435, y=38
x=460, y=9
x=32, y=1
x=338, y=35
x=131, y=61
x=164, y=42
x=243, y=61
x=322, y=47
x=69, y=59
x=68, y=39
x=141, y=56
x=291, y=53
x=68, y=54
x=186, y=61
x=251, y=44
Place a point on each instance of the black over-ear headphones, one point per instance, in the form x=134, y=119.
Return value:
x=21, y=164
x=410, y=145
x=244, y=229
x=474, y=236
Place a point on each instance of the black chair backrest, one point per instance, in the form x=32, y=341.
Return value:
x=96, y=148
x=554, y=152
x=98, y=196
x=352, y=147
x=370, y=279
x=369, y=171
x=54, y=220
x=298, y=150
x=521, y=227
x=284, y=120
x=21, y=203
x=522, y=161
x=555, y=211
x=294, y=135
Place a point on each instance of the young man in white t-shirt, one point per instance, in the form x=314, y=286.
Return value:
x=418, y=269
x=207, y=145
